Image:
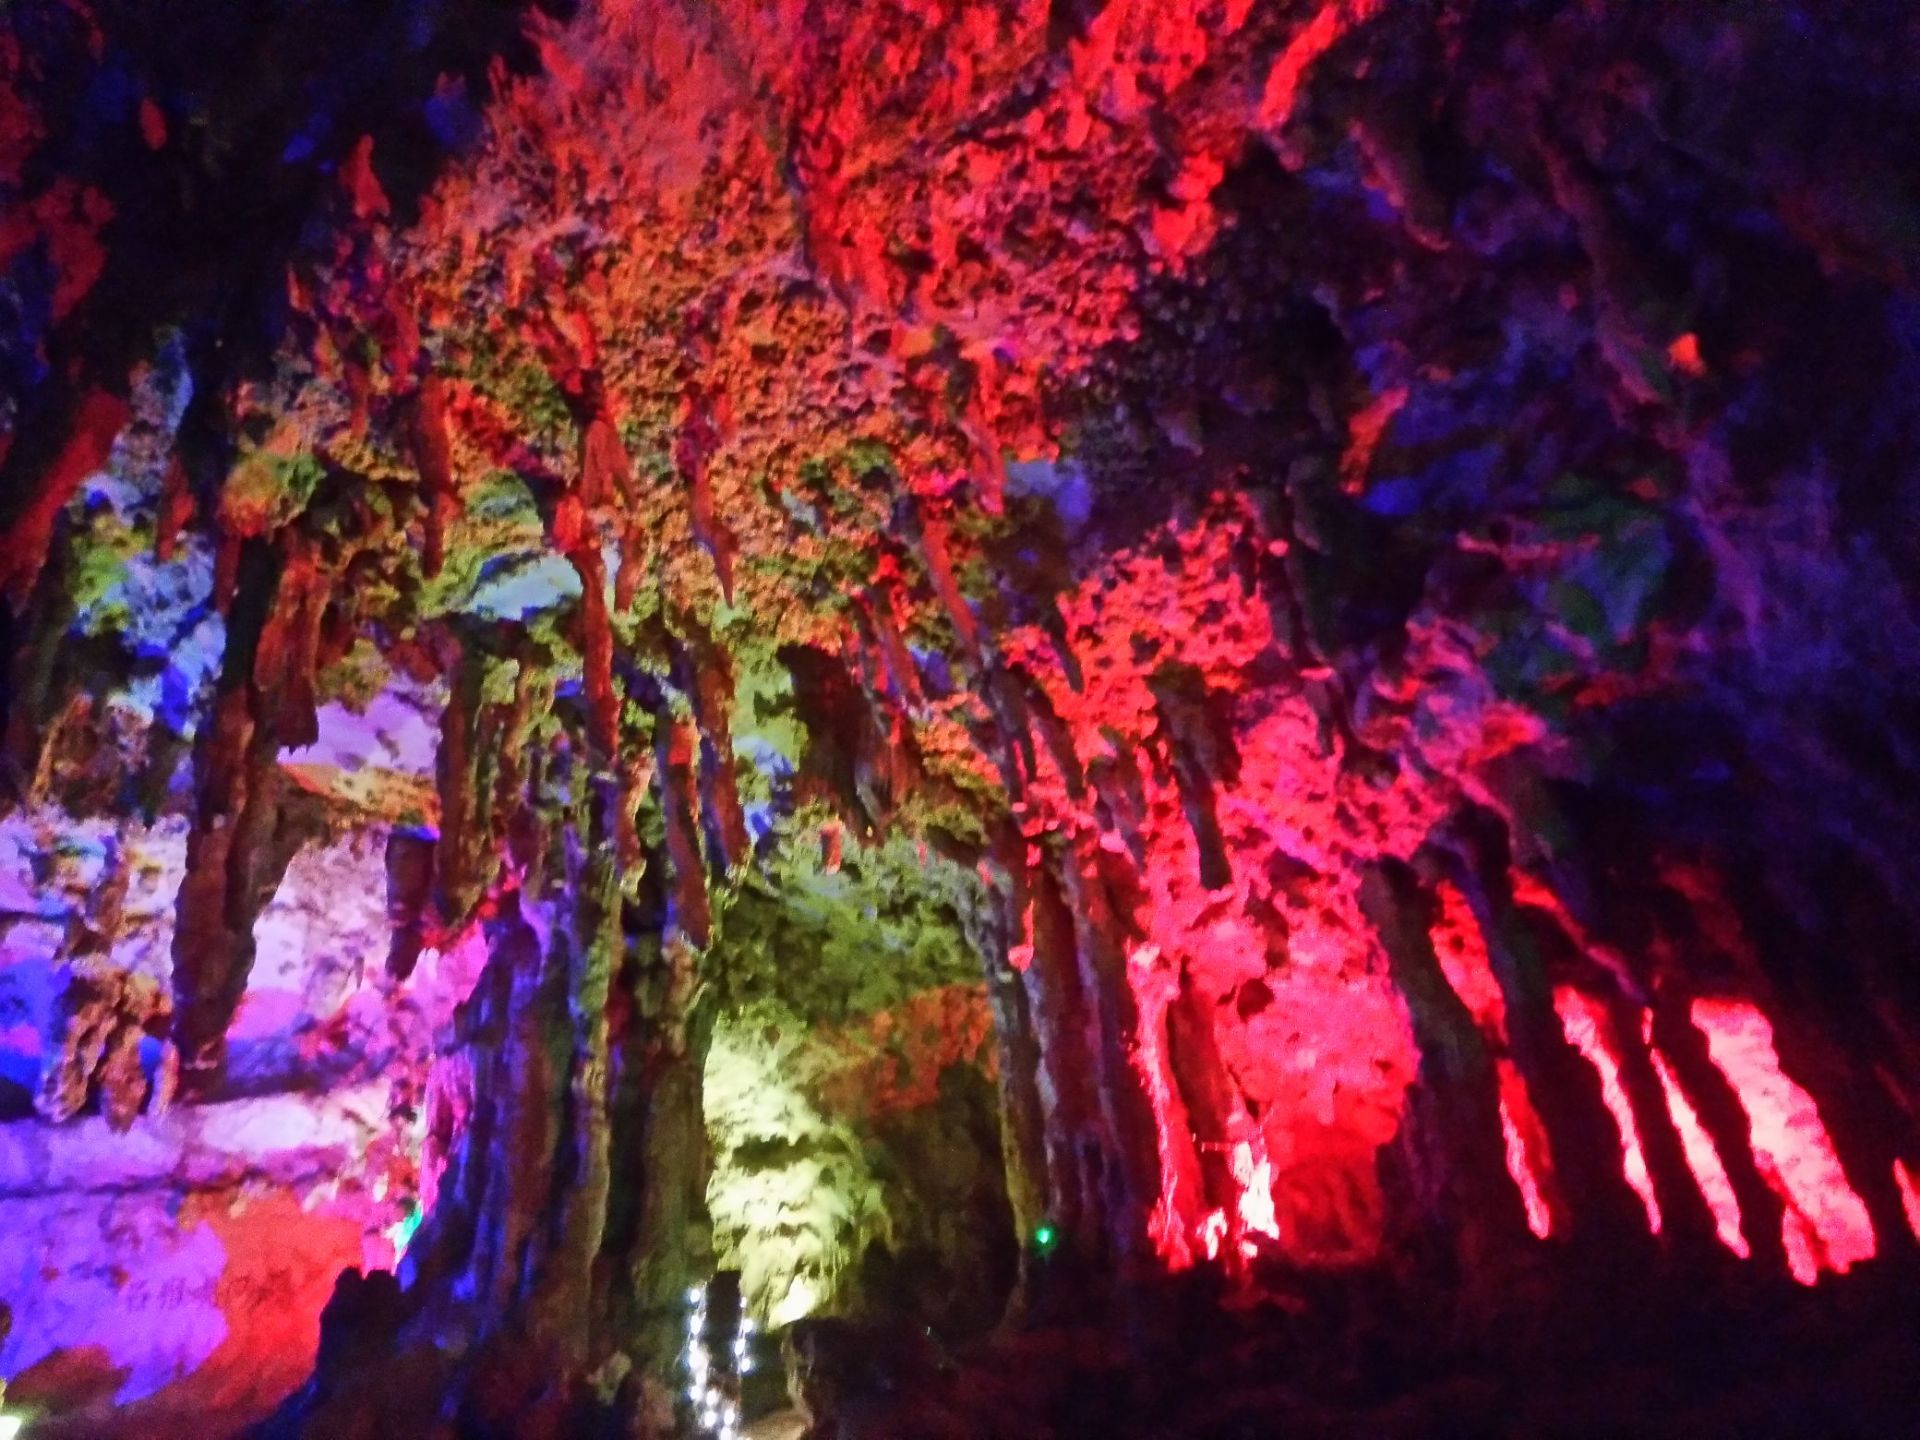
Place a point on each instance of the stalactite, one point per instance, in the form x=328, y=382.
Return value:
x=1131, y=1183
x=1452, y=1126
x=433, y=459
x=898, y=776
x=465, y=858
x=661, y=1146
x=875, y=612
x=711, y=688
x=1602, y=1210
x=409, y=867
x=1285, y=585
x=589, y=936
x=1122, y=795
x=1016, y=754
x=1865, y=1131
x=701, y=433
x=1686, y=1220
x=235, y=857
x=840, y=730
x=676, y=746
x=1761, y=948
x=1624, y=976
x=1202, y=751
x=524, y=1198
x=606, y=474
x=1216, y=1118
x=938, y=553
x=1180, y=1190
x=1605, y=987
x=1018, y=1046
x=438, y=1266
x=573, y=1126
x=1078, y=1153
x=577, y=535
x=289, y=646
x=1717, y=1104
x=511, y=1247
x=1042, y=719
x=1811, y=1008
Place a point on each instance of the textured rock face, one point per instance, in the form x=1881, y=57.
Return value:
x=167, y=1263
x=1377, y=541
x=855, y=1127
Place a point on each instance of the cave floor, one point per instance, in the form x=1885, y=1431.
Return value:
x=1670, y=1361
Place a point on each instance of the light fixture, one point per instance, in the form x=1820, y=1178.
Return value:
x=716, y=1414
x=11, y=1425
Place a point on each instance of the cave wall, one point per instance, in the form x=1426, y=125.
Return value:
x=165, y=1262
x=1382, y=536
x=850, y=1094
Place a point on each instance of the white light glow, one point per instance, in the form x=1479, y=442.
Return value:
x=715, y=1414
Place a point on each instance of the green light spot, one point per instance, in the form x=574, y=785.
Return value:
x=1044, y=1236
x=402, y=1231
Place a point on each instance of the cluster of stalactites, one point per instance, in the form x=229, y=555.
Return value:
x=1793, y=1195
